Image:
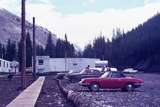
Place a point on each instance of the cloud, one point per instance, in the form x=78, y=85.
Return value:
x=11, y=5
x=92, y=1
x=82, y=28
x=41, y=1
x=88, y=2
x=150, y=1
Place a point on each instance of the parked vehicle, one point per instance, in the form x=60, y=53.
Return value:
x=101, y=64
x=63, y=74
x=104, y=63
x=112, y=80
x=113, y=69
x=85, y=73
x=130, y=70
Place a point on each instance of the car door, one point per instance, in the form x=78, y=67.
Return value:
x=105, y=82
x=85, y=74
x=114, y=80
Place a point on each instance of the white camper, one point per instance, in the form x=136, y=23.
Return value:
x=100, y=64
x=5, y=66
x=46, y=64
x=8, y=66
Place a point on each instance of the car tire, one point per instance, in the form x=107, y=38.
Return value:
x=94, y=87
x=59, y=77
x=123, y=89
x=129, y=87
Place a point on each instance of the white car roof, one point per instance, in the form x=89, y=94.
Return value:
x=96, y=68
x=112, y=69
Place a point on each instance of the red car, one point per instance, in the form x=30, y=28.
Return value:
x=112, y=80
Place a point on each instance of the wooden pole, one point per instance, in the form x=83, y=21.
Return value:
x=65, y=61
x=65, y=52
x=23, y=41
x=34, y=49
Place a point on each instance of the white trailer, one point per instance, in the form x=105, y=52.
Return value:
x=46, y=64
x=100, y=64
x=8, y=66
x=5, y=66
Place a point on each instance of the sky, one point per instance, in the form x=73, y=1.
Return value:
x=84, y=20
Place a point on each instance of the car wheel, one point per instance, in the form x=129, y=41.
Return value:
x=123, y=89
x=71, y=80
x=129, y=87
x=59, y=77
x=94, y=87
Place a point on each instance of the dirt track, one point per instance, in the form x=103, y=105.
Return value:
x=145, y=96
x=51, y=95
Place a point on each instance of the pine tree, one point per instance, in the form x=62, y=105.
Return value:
x=99, y=47
x=88, y=52
x=60, y=49
x=50, y=49
x=8, y=50
x=1, y=51
x=40, y=51
x=11, y=51
x=71, y=50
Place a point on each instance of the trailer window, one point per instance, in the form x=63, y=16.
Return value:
x=4, y=63
x=40, y=62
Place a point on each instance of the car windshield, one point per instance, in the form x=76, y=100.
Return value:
x=90, y=71
x=105, y=75
x=70, y=72
x=116, y=75
x=83, y=71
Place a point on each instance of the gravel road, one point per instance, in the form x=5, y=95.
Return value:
x=51, y=95
x=146, y=96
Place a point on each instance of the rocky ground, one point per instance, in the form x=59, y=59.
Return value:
x=9, y=89
x=145, y=96
x=51, y=95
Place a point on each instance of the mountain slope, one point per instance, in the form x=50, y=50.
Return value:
x=10, y=28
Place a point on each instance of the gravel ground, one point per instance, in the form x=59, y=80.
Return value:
x=145, y=96
x=10, y=89
x=51, y=96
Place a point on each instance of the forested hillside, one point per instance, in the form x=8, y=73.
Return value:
x=138, y=48
x=12, y=50
x=47, y=43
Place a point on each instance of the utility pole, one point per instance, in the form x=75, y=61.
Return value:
x=65, y=61
x=23, y=41
x=34, y=50
x=66, y=52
